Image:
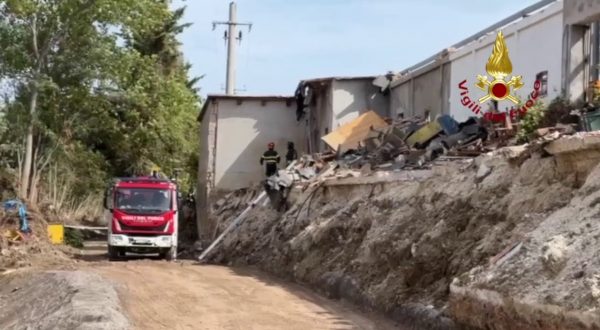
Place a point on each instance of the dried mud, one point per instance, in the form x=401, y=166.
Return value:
x=396, y=247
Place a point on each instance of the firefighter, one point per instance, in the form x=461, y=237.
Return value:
x=291, y=155
x=270, y=159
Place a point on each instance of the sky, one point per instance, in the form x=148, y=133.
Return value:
x=292, y=40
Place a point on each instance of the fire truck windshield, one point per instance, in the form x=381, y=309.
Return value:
x=143, y=200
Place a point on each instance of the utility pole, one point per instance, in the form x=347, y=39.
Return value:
x=230, y=36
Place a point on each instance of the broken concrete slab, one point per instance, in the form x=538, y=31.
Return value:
x=382, y=177
x=488, y=309
x=574, y=143
x=514, y=152
x=576, y=155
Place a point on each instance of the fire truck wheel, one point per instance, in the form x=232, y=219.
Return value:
x=113, y=253
x=171, y=253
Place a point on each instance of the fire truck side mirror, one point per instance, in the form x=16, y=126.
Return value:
x=108, y=200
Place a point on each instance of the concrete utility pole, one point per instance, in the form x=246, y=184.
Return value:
x=230, y=36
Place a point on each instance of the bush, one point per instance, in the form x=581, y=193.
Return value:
x=531, y=122
x=559, y=111
x=74, y=238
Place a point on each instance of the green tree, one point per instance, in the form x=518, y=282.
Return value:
x=84, y=104
x=37, y=34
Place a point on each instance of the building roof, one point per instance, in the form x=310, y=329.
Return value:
x=443, y=55
x=303, y=83
x=337, y=78
x=214, y=97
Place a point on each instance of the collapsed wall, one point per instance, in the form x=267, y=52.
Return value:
x=396, y=246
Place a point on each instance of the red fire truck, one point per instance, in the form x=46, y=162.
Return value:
x=142, y=217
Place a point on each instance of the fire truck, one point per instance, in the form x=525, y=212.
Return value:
x=142, y=214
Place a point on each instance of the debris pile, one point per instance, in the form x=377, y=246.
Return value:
x=410, y=143
x=23, y=241
x=396, y=245
x=393, y=145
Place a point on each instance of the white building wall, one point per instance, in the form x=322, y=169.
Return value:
x=400, y=100
x=351, y=98
x=243, y=132
x=427, y=93
x=581, y=11
x=534, y=44
x=205, y=168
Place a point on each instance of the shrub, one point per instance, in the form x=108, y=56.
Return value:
x=532, y=121
x=559, y=111
x=74, y=238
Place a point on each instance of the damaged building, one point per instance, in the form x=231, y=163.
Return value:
x=324, y=104
x=420, y=209
x=235, y=130
x=552, y=42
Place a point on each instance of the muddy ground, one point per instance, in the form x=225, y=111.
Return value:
x=188, y=296
x=142, y=293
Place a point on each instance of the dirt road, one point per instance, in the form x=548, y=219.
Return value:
x=162, y=295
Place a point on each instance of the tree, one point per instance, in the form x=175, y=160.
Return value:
x=37, y=34
x=86, y=105
x=163, y=44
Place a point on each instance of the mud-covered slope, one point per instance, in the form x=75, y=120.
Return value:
x=397, y=246
x=59, y=300
x=556, y=264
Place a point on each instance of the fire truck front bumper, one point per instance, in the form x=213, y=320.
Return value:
x=164, y=241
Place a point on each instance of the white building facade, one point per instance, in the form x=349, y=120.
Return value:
x=535, y=49
x=535, y=41
x=234, y=132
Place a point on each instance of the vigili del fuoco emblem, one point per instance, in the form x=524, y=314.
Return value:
x=499, y=67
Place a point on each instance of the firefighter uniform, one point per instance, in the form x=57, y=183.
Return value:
x=270, y=159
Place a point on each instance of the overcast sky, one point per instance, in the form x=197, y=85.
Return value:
x=293, y=40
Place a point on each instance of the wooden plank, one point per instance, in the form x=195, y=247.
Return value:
x=348, y=136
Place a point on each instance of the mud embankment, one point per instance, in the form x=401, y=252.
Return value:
x=59, y=300
x=397, y=246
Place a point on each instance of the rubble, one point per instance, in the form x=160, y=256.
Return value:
x=414, y=205
x=32, y=248
x=554, y=254
x=370, y=145
x=396, y=245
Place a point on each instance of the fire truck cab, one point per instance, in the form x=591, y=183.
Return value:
x=142, y=214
